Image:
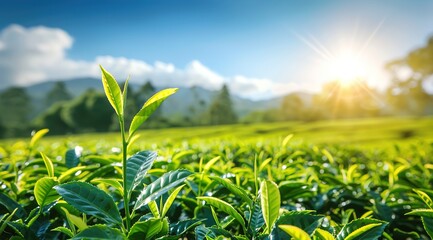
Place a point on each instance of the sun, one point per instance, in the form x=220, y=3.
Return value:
x=347, y=68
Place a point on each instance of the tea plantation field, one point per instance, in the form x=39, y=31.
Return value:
x=347, y=179
x=376, y=133
x=364, y=179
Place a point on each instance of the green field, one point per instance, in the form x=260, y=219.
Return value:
x=345, y=179
x=377, y=133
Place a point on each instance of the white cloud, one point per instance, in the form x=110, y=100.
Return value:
x=27, y=54
x=31, y=55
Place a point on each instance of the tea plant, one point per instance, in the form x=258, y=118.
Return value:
x=198, y=190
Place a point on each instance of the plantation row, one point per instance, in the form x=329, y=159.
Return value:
x=229, y=190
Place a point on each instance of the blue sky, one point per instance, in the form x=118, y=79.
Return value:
x=261, y=48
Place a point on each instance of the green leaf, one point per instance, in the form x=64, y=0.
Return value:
x=8, y=219
x=286, y=140
x=358, y=232
x=400, y=234
x=215, y=217
x=38, y=135
x=22, y=230
x=109, y=182
x=237, y=191
x=256, y=218
x=74, y=220
x=210, y=163
x=202, y=232
x=428, y=225
x=145, y=230
x=301, y=219
x=264, y=164
x=170, y=200
x=72, y=159
x=148, y=108
x=11, y=205
x=328, y=156
x=425, y=198
x=154, y=209
x=363, y=228
x=71, y=172
x=44, y=191
x=225, y=207
x=112, y=91
x=90, y=200
x=125, y=93
x=100, y=232
x=48, y=164
x=270, y=201
x=323, y=234
x=295, y=232
x=64, y=230
x=422, y=213
x=161, y=186
x=137, y=166
x=182, y=227
x=165, y=228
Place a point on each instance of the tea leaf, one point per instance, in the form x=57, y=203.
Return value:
x=181, y=227
x=148, y=108
x=38, y=135
x=109, y=182
x=44, y=191
x=422, y=213
x=428, y=225
x=7, y=220
x=48, y=164
x=286, y=140
x=112, y=91
x=270, y=201
x=154, y=209
x=323, y=234
x=125, y=93
x=137, y=166
x=100, y=232
x=170, y=200
x=64, y=230
x=295, y=232
x=161, y=186
x=145, y=230
x=90, y=200
x=362, y=229
x=301, y=219
x=11, y=205
x=74, y=220
x=72, y=159
x=237, y=191
x=425, y=198
x=256, y=218
x=225, y=207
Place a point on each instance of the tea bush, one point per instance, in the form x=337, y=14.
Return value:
x=229, y=190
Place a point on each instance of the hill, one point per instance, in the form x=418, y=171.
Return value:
x=186, y=100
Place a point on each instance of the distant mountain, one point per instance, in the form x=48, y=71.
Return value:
x=183, y=103
x=75, y=86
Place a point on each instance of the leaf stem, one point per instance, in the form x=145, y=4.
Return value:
x=124, y=157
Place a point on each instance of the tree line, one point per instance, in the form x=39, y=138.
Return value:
x=91, y=112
